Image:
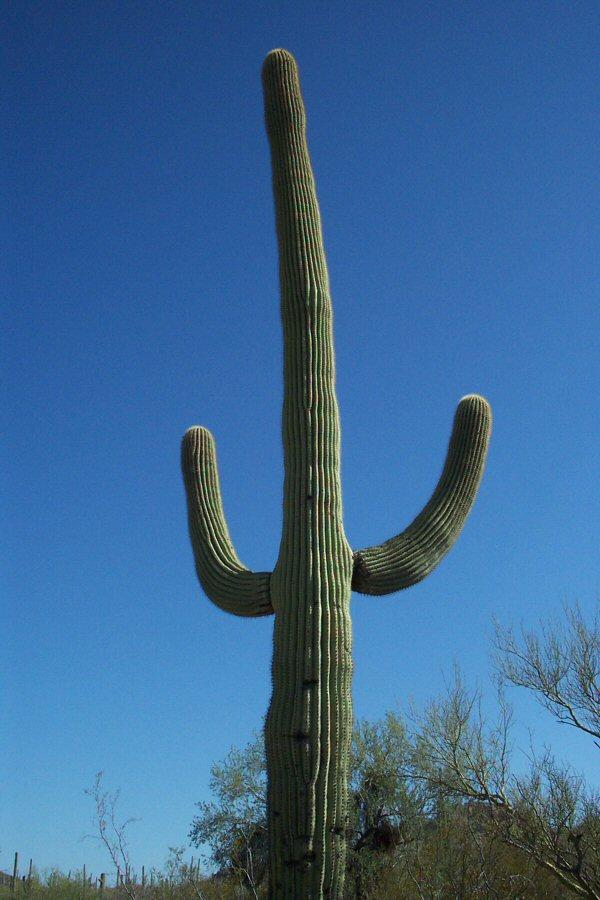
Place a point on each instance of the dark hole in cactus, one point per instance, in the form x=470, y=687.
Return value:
x=360, y=573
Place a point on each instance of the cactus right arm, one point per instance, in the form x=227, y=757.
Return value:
x=411, y=555
x=228, y=583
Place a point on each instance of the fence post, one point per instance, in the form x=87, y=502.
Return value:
x=102, y=882
x=143, y=876
x=13, y=881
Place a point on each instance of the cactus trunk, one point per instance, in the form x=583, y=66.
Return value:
x=309, y=723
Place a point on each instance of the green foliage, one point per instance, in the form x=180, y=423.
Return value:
x=407, y=837
x=386, y=810
x=234, y=825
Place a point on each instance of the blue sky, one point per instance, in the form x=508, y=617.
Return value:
x=455, y=151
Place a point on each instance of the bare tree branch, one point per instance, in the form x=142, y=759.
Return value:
x=108, y=832
x=548, y=815
x=561, y=667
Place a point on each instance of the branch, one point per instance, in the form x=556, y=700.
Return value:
x=411, y=555
x=225, y=580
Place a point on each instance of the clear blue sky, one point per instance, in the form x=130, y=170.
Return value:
x=456, y=153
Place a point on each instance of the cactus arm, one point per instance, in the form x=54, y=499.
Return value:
x=408, y=557
x=228, y=583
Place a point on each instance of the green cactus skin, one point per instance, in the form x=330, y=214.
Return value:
x=309, y=721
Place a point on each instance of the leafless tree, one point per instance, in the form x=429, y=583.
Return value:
x=560, y=665
x=110, y=833
x=549, y=815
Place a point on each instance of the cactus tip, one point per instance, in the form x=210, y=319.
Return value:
x=473, y=398
x=195, y=433
x=278, y=53
x=278, y=58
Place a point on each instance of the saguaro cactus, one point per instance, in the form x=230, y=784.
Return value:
x=309, y=721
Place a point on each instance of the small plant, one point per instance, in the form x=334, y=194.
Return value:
x=110, y=833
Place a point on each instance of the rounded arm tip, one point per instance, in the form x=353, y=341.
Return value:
x=284, y=107
x=225, y=580
x=411, y=555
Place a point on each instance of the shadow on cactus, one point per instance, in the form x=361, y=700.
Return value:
x=309, y=723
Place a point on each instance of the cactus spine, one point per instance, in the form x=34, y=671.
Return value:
x=309, y=722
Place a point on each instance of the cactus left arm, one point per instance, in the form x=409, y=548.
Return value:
x=226, y=581
x=411, y=555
